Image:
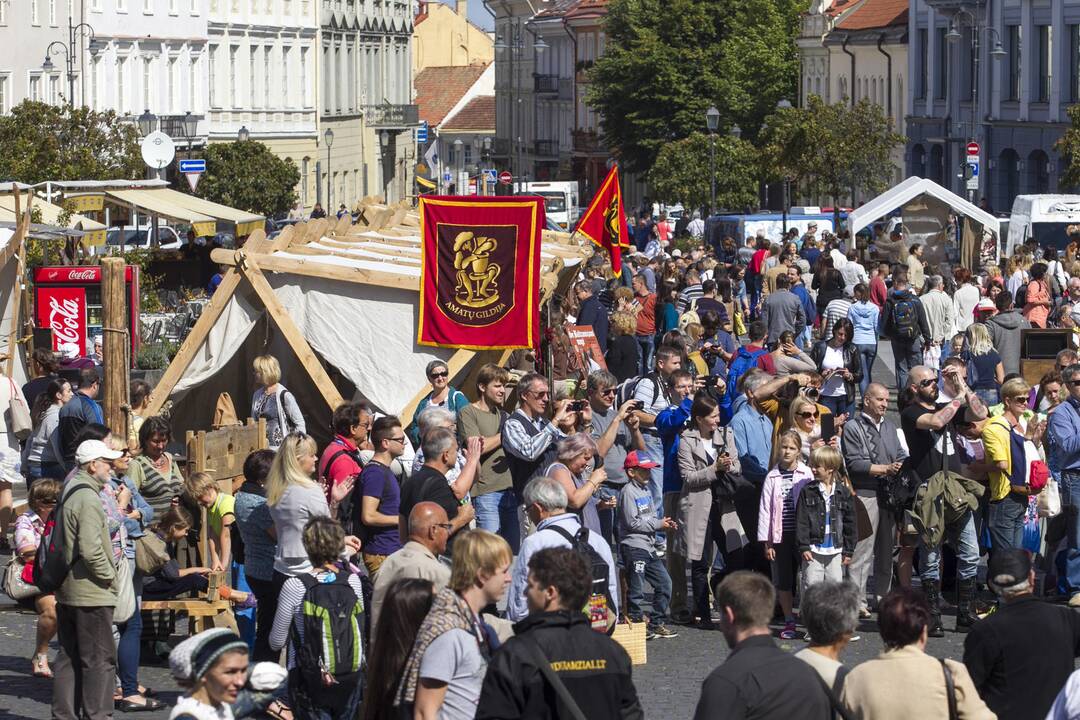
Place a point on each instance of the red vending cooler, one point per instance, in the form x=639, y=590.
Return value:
x=67, y=300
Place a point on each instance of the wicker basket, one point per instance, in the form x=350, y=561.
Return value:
x=632, y=637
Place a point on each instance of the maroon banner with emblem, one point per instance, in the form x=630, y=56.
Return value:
x=480, y=272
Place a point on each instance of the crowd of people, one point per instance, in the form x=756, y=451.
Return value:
x=735, y=458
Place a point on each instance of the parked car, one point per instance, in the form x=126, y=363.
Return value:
x=130, y=237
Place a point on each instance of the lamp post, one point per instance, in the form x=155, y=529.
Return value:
x=486, y=163
x=781, y=105
x=712, y=122
x=459, y=164
x=146, y=122
x=57, y=47
x=243, y=134
x=328, y=138
x=189, y=125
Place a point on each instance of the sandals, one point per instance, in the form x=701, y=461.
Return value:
x=40, y=664
x=147, y=705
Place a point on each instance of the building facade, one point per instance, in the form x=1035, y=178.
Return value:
x=443, y=37
x=999, y=73
x=36, y=24
x=457, y=102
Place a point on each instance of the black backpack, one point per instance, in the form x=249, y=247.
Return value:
x=628, y=389
x=601, y=606
x=345, y=509
x=331, y=659
x=905, y=318
x=1021, y=295
x=50, y=568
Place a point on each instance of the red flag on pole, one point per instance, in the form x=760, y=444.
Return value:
x=604, y=222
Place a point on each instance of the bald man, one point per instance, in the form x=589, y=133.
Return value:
x=874, y=449
x=429, y=529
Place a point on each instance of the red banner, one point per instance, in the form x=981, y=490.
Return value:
x=605, y=223
x=480, y=272
x=63, y=309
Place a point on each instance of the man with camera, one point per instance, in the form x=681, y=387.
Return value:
x=655, y=393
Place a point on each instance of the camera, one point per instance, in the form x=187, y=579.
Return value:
x=576, y=405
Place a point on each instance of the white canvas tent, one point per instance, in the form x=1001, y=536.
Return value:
x=13, y=310
x=337, y=305
x=925, y=207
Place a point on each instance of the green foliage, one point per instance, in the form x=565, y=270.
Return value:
x=681, y=172
x=155, y=356
x=46, y=142
x=1069, y=147
x=828, y=149
x=666, y=61
x=148, y=284
x=246, y=176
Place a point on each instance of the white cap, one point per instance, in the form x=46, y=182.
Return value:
x=93, y=450
x=68, y=351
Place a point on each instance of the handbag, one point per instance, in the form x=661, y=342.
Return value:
x=19, y=421
x=863, y=528
x=950, y=690
x=738, y=325
x=150, y=554
x=1048, y=502
x=14, y=586
x=125, y=593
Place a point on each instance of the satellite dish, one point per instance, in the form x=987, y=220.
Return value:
x=158, y=150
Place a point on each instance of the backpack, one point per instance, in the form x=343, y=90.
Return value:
x=690, y=316
x=50, y=568
x=1021, y=295
x=330, y=661
x=905, y=318
x=743, y=362
x=628, y=389
x=600, y=607
x=345, y=509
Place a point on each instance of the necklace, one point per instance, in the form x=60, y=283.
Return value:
x=161, y=462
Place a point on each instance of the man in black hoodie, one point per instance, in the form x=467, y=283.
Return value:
x=1005, y=330
x=594, y=668
x=904, y=322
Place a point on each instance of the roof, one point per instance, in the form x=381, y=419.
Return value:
x=50, y=215
x=439, y=89
x=477, y=115
x=876, y=14
x=911, y=188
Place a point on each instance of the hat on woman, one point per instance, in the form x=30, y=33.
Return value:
x=192, y=658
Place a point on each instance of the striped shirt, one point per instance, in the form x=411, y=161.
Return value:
x=689, y=294
x=157, y=489
x=787, y=481
x=290, y=604
x=835, y=310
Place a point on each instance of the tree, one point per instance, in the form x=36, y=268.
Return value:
x=247, y=176
x=666, y=61
x=828, y=149
x=48, y=142
x=681, y=172
x=1069, y=147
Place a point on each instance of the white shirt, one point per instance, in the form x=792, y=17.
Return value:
x=834, y=359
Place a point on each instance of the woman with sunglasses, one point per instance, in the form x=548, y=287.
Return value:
x=442, y=394
x=838, y=360
x=806, y=421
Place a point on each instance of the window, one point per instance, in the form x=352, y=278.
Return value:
x=192, y=88
x=942, y=55
x=1013, y=46
x=194, y=7
x=147, y=79
x=174, y=7
x=468, y=150
x=285, y=75
x=252, y=61
x=1074, y=63
x=35, y=88
x=211, y=63
x=3, y=13
x=34, y=19
x=94, y=68
x=148, y=7
x=234, y=89
x=52, y=12
x=95, y=6
x=174, y=102
x=121, y=6
x=54, y=90
x=1045, y=35
x=303, y=78
x=3, y=94
x=266, y=75
x=121, y=108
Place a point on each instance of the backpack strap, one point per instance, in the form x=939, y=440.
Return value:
x=544, y=666
x=567, y=536
x=950, y=690
x=308, y=580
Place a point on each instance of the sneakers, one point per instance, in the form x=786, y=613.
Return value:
x=789, y=632
x=683, y=618
x=650, y=633
x=661, y=631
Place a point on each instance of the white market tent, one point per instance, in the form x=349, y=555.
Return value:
x=337, y=305
x=925, y=206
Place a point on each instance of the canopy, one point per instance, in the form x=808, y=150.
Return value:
x=913, y=187
x=245, y=222
x=50, y=215
x=158, y=201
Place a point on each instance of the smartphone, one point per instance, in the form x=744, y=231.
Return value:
x=828, y=427
x=712, y=381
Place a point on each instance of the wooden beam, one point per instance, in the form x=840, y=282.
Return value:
x=211, y=312
x=115, y=344
x=17, y=247
x=292, y=334
x=325, y=271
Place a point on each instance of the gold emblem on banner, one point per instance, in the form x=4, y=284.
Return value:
x=611, y=219
x=476, y=274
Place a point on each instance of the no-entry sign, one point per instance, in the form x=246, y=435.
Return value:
x=505, y=177
x=973, y=148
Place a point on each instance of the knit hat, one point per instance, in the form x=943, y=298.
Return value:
x=192, y=658
x=1008, y=567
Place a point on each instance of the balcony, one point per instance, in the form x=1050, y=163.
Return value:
x=546, y=84
x=392, y=117
x=546, y=148
x=587, y=142
x=173, y=126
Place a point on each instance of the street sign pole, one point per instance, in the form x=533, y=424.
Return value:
x=972, y=157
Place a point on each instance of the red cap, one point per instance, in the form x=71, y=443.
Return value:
x=635, y=458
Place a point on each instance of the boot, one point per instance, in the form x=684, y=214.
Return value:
x=932, y=588
x=965, y=605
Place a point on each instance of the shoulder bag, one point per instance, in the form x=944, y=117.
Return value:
x=125, y=593
x=950, y=690
x=19, y=422
x=150, y=553
x=14, y=586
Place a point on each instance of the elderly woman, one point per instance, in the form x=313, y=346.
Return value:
x=154, y=472
x=442, y=395
x=28, y=530
x=574, y=472
x=273, y=402
x=462, y=476
x=830, y=612
x=904, y=682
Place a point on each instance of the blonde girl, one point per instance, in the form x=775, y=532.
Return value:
x=825, y=519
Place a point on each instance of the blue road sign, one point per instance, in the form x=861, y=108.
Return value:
x=422, y=132
x=974, y=169
x=490, y=175
x=192, y=166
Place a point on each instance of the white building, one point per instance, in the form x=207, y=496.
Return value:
x=27, y=27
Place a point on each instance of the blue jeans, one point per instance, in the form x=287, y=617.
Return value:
x=961, y=536
x=608, y=524
x=645, y=352
x=128, y=648
x=245, y=619
x=1005, y=520
x=641, y=566
x=906, y=355
x=1070, y=506
x=838, y=404
x=655, y=447
x=805, y=339
x=867, y=356
x=496, y=512
x=989, y=396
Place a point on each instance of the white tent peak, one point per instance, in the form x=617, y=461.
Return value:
x=909, y=189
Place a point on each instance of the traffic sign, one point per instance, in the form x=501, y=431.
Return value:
x=422, y=132
x=446, y=177
x=158, y=150
x=973, y=148
x=193, y=166
x=505, y=177
x=490, y=175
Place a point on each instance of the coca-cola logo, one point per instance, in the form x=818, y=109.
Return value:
x=87, y=274
x=64, y=320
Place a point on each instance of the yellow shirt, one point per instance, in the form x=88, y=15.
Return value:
x=995, y=437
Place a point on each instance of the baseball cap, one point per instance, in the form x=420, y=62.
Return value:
x=637, y=458
x=68, y=351
x=1008, y=567
x=93, y=450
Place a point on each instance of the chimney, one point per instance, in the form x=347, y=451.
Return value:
x=462, y=7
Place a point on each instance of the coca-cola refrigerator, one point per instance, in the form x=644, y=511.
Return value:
x=67, y=300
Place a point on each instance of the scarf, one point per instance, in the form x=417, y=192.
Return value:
x=253, y=488
x=448, y=612
x=189, y=707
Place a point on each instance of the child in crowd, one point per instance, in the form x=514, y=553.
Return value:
x=638, y=524
x=776, y=521
x=825, y=519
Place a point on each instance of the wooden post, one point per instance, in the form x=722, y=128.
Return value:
x=115, y=344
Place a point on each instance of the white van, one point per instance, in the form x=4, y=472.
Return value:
x=1044, y=218
x=560, y=200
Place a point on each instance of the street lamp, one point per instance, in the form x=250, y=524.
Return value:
x=781, y=105
x=328, y=138
x=146, y=122
x=190, y=125
x=243, y=134
x=735, y=132
x=459, y=163
x=68, y=52
x=712, y=122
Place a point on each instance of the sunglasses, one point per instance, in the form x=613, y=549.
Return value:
x=1018, y=398
x=928, y=382
x=808, y=414
x=609, y=391
x=444, y=373
x=543, y=394
x=1075, y=383
x=397, y=439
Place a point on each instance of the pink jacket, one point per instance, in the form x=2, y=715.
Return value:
x=771, y=510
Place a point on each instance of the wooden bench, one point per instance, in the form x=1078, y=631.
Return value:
x=203, y=613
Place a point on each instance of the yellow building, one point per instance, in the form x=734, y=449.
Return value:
x=444, y=37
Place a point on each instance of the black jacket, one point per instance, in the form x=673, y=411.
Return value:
x=851, y=361
x=594, y=668
x=810, y=518
x=1020, y=656
x=593, y=313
